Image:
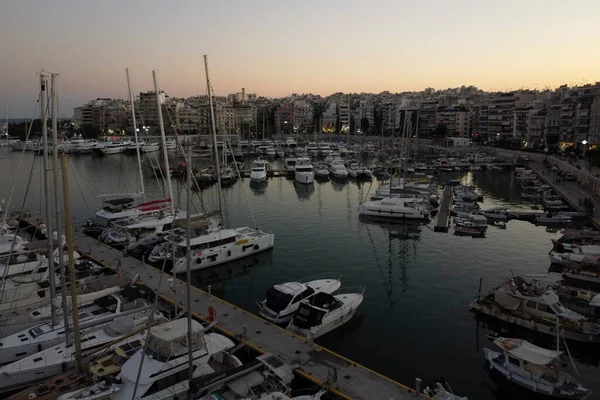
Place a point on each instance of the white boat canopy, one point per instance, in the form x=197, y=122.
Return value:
x=526, y=351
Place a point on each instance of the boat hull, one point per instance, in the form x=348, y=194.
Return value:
x=529, y=384
x=223, y=254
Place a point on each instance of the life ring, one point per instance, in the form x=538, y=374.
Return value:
x=256, y=247
x=552, y=367
x=199, y=253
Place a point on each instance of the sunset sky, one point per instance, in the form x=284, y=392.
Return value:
x=275, y=48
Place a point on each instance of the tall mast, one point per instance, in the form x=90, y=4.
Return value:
x=59, y=230
x=416, y=143
x=48, y=209
x=164, y=143
x=70, y=250
x=188, y=256
x=214, y=137
x=135, y=131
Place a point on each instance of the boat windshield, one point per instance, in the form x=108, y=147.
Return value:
x=258, y=169
x=276, y=300
x=303, y=169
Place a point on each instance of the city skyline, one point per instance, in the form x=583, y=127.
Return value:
x=278, y=49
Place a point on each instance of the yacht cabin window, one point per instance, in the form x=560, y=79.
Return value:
x=514, y=361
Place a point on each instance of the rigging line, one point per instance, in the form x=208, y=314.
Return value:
x=74, y=174
x=158, y=166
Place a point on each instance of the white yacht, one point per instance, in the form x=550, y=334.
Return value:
x=290, y=143
x=312, y=149
x=304, y=172
x=337, y=170
x=44, y=335
x=259, y=170
x=289, y=165
x=283, y=300
x=534, y=368
x=60, y=358
x=397, y=207
x=324, y=312
x=130, y=231
x=324, y=150
x=171, y=144
x=115, y=209
x=113, y=148
x=149, y=147
x=322, y=172
x=164, y=365
x=221, y=246
x=11, y=242
x=495, y=214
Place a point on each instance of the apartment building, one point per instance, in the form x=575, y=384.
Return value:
x=329, y=118
x=103, y=114
x=500, y=116
x=536, y=128
x=427, y=118
x=303, y=116
x=463, y=123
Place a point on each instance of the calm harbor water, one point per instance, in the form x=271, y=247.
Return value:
x=415, y=319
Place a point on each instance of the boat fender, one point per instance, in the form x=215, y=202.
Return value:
x=64, y=366
x=212, y=313
x=198, y=260
x=256, y=247
x=39, y=346
x=228, y=253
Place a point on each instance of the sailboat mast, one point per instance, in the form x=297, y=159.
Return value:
x=59, y=230
x=214, y=137
x=164, y=143
x=48, y=209
x=188, y=256
x=416, y=137
x=70, y=250
x=135, y=132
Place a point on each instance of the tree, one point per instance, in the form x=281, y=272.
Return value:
x=441, y=130
x=352, y=124
x=338, y=125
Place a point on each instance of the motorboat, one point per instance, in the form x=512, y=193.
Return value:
x=289, y=164
x=112, y=148
x=495, y=214
x=440, y=390
x=160, y=369
x=60, y=358
x=282, y=300
x=322, y=172
x=551, y=218
x=259, y=169
x=221, y=246
x=469, y=228
x=585, y=302
x=534, y=368
x=323, y=312
x=523, y=304
x=337, y=170
x=397, y=208
x=115, y=209
x=149, y=147
x=228, y=176
x=9, y=242
x=312, y=149
x=290, y=143
x=324, y=150
x=304, y=172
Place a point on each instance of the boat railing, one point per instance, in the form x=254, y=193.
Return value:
x=326, y=275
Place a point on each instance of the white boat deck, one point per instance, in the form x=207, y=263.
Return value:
x=315, y=363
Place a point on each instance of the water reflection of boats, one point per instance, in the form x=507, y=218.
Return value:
x=217, y=276
x=332, y=340
x=338, y=185
x=259, y=187
x=304, y=191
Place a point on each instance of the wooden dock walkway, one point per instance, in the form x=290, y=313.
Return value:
x=340, y=375
x=443, y=216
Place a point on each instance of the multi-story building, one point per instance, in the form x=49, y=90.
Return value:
x=303, y=116
x=284, y=119
x=329, y=117
x=427, y=118
x=188, y=119
x=344, y=116
x=520, y=128
x=463, y=123
x=447, y=116
x=500, y=116
x=536, y=128
x=103, y=114
x=552, y=126
x=594, y=138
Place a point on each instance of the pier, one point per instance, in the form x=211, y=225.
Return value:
x=443, y=216
x=339, y=375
